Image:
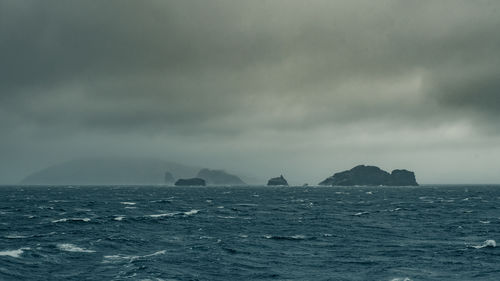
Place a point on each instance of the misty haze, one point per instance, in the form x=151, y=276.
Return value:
x=251, y=140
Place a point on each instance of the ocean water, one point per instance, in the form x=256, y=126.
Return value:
x=249, y=233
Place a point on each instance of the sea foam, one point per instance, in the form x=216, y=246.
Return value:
x=71, y=219
x=486, y=244
x=128, y=203
x=192, y=212
x=163, y=215
x=13, y=253
x=72, y=248
x=130, y=258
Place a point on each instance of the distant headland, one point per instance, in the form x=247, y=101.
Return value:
x=142, y=171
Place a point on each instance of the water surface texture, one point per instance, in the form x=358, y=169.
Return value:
x=249, y=233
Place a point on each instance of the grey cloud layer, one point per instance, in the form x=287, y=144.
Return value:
x=173, y=62
x=232, y=67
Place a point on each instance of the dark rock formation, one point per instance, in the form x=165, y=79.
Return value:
x=219, y=177
x=190, y=182
x=278, y=181
x=403, y=178
x=169, y=178
x=371, y=175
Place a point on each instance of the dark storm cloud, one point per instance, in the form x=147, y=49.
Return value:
x=130, y=64
x=222, y=70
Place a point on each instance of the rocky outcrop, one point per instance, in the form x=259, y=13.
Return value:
x=278, y=181
x=403, y=178
x=169, y=178
x=371, y=175
x=190, y=182
x=219, y=177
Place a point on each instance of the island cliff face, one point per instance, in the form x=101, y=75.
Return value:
x=371, y=175
x=402, y=178
x=219, y=177
x=278, y=181
x=190, y=182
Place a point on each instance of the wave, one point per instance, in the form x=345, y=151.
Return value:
x=361, y=213
x=401, y=279
x=163, y=215
x=13, y=253
x=247, y=205
x=119, y=257
x=188, y=213
x=192, y=212
x=166, y=200
x=293, y=237
x=82, y=209
x=14, y=236
x=71, y=219
x=119, y=218
x=226, y=217
x=128, y=203
x=486, y=244
x=72, y=248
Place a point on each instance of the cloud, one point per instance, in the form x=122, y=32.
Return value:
x=222, y=71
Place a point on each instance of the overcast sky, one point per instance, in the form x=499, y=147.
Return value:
x=303, y=88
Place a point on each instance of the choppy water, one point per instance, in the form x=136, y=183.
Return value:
x=250, y=233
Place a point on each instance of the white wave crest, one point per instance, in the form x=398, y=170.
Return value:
x=188, y=213
x=13, y=253
x=486, y=244
x=119, y=218
x=120, y=257
x=71, y=219
x=128, y=203
x=192, y=212
x=163, y=215
x=226, y=217
x=72, y=248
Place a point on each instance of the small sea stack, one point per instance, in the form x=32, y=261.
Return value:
x=190, y=182
x=277, y=181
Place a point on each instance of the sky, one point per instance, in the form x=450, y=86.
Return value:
x=262, y=88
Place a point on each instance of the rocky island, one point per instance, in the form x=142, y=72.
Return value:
x=371, y=175
x=278, y=181
x=219, y=177
x=190, y=182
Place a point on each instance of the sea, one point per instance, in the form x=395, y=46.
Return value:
x=249, y=233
